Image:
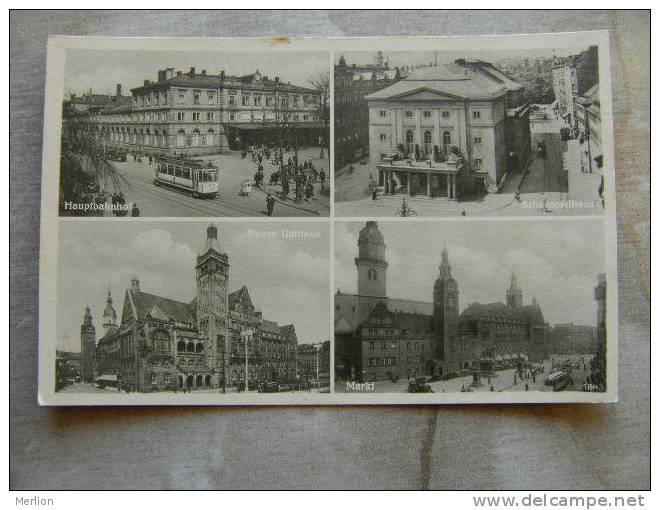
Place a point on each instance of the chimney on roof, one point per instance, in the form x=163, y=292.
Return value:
x=135, y=284
x=118, y=90
x=146, y=82
x=204, y=72
x=192, y=72
x=222, y=74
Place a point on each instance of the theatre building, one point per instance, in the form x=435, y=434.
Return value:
x=379, y=338
x=163, y=344
x=198, y=113
x=448, y=130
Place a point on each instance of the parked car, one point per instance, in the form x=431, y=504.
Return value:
x=419, y=385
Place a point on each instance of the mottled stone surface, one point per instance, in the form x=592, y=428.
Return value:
x=449, y=447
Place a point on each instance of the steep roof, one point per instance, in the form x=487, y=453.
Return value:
x=149, y=303
x=270, y=327
x=347, y=319
x=490, y=310
x=288, y=330
x=461, y=80
x=413, y=321
x=528, y=313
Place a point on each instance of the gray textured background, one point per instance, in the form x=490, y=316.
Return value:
x=449, y=447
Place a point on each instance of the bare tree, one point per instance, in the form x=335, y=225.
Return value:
x=86, y=170
x=285, y=122
x=322, y=86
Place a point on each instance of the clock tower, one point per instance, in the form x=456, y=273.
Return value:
x=212, y=270
x=445, y=313
x=371, y=264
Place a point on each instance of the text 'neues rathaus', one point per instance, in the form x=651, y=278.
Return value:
x=207, y=343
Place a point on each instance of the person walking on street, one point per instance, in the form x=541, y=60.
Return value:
x=135, y=212
x=270, y=203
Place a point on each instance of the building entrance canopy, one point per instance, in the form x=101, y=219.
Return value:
x=434, y=178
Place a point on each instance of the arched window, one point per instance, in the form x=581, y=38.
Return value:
x=446, y=142
x=181, y=346
x=181, y=138
x=210, y=137
x=190, y=347
x=207, y=381
x=198, y=381
x=409, y=137
x=195, y=138
x=199, y=347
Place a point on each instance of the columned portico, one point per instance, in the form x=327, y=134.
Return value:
x=435, y=179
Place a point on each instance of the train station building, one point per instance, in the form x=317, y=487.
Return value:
x=198, y=113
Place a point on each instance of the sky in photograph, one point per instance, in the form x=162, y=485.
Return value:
x=558, y=262
x=288, y=280
x=407, y=58
x=101, y=70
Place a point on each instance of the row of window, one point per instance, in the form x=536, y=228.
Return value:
x=427, y=114
x=428, y=138
x=381, y=362
x=210, y=96
x=392, y=345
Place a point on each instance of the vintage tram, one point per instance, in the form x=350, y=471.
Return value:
x=195, y=177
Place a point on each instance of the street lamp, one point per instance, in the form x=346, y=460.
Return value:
x=247, y=335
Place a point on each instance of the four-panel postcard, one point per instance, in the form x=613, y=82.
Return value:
x=318, y=221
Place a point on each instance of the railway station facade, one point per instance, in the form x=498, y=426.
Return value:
x=197, y=113
x=163, y=344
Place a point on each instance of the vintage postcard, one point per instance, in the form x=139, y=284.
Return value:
x=315, y=221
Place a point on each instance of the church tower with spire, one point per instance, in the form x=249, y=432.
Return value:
x=371, y=263
x=445, y=313
x=87, y=347
x=514, y=296
x=212, y=270
x=109, y=314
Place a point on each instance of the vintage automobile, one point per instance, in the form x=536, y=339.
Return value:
x=419, y=385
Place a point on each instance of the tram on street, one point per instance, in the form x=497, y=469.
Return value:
x=558, y=380
x=191, y=175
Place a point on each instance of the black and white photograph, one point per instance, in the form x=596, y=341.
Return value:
x=483, y=307
x=183, y=309
x=328, y=249
x=184, y=133
x=468, y=133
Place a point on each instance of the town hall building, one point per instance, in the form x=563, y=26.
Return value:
x=378, y=337
x=213, y=341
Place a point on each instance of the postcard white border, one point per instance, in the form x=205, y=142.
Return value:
x=57, y=47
